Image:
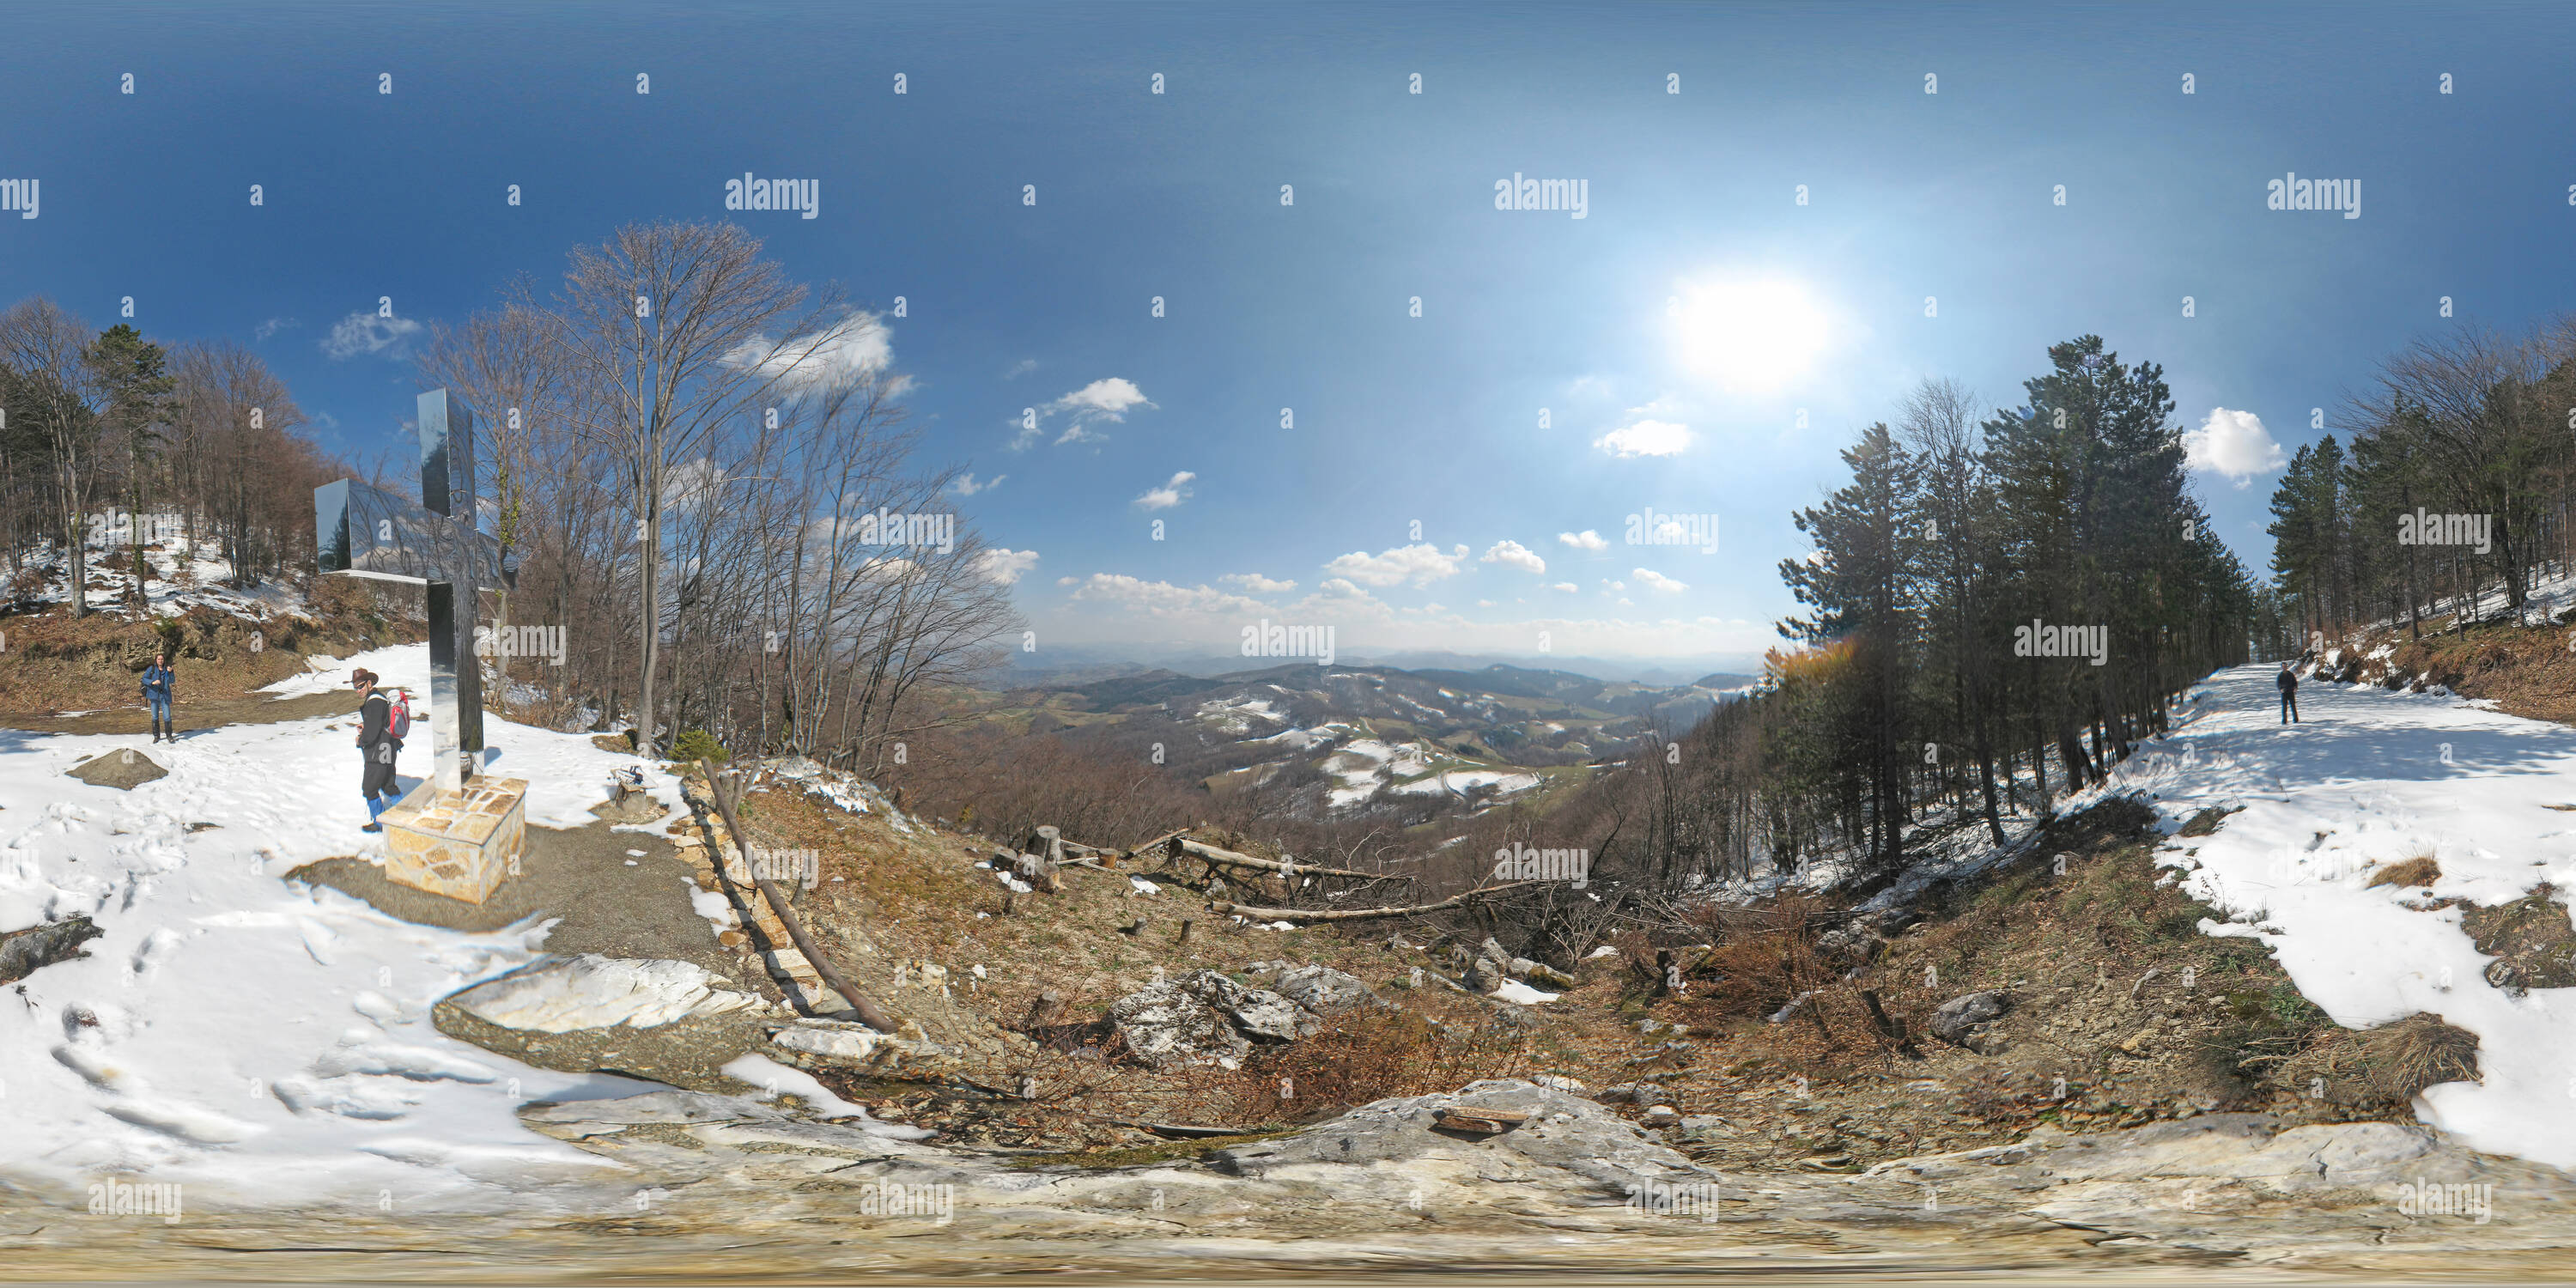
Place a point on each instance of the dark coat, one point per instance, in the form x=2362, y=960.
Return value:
x=375, y=728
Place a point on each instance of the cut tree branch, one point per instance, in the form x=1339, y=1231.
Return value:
x=1183, y=845
x=867, y=1010
x=1362, y=914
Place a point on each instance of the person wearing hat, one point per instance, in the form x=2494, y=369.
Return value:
x=376, y=742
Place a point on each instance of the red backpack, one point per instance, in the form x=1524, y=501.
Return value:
x=398, y=716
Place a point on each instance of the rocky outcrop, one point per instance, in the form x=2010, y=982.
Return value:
x=1320, y=989
x=1963, y=1021
x=1205, y=1018
x=727, y=1185
x=23, y=952
x=666, y=1021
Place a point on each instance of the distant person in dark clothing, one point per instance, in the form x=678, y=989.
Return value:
x=157, y=684
x=376, y=741
x=2289, y=694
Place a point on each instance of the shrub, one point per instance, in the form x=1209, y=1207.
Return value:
x=697, y=744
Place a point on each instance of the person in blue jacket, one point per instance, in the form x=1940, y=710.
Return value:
x=156, y=694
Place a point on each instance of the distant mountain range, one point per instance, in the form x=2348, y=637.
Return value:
x=1073, y=663
x=1336, y=740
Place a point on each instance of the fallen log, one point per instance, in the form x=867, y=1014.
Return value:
x=1230, y=858
x=1157, y=843
x=867, y=1011
x=1362, y=914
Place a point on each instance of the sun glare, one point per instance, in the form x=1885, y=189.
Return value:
x=1749, y=336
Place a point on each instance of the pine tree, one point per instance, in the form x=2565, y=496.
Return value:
x=1857, y=584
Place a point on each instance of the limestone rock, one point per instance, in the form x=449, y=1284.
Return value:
x=666, y=1021
x=22, y=952
x=561, y=994
x=1962, y=1020
x=1325, y=991
x=1565, y=1134
x=1205, y=1017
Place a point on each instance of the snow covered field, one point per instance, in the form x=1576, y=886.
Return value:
x=2375, y=777
x=262, y=1043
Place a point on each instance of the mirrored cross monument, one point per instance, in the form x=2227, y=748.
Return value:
x=365, y=531
x=458, y=834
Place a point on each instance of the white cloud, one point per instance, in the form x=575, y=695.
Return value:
x=1257, y=584
x=1020, y=368
x=1102, y=401
x=967, y=486
x=364, y=332
x=2232, y=443
x=1161, y=598
x=1513, y=554
x=1584, y=540
x=1418, y=564
x=853, y=349
x=1567, y=587
x=1646, y=438
x=1003, y=567
x=1658, y=582
x=272, y=327
x=1168, y=495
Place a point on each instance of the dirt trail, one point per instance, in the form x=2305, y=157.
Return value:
x=607, y=900
x=188, y=716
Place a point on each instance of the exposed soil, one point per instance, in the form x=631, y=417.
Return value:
x=2121, y=1013
x=55, y=664
x=602, y=899
x=2530, y=939
x=124, y=769
x=2525, y=670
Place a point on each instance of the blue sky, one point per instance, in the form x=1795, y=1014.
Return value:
x=1397, y=419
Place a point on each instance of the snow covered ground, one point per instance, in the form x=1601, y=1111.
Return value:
x=256, y=1041
x=108, y=554
x=2375, y=777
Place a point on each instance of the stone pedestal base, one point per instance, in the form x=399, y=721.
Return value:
x=460, y=844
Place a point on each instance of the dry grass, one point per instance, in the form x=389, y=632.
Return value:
x=2418, y=871
x=2387, y=1066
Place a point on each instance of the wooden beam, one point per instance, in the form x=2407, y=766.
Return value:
x=867, y=1011
x=1362, y=914
x=1233, y=859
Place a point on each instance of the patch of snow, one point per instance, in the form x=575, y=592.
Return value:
x=2371, y=777
x=238, y=1077
x=775, y=1079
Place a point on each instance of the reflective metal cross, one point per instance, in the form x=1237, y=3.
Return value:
x=364, y=531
